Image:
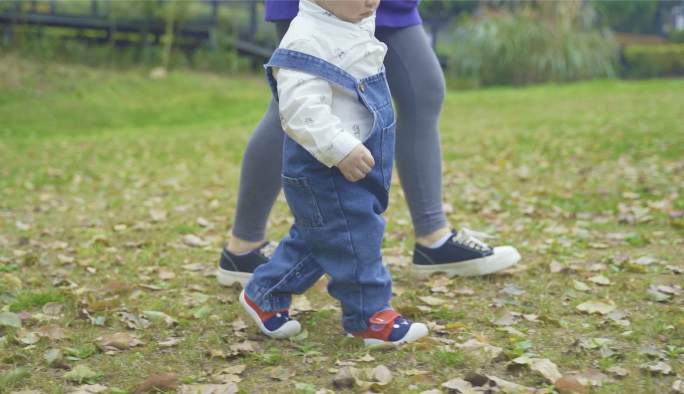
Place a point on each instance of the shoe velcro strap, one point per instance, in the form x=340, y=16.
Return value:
x=384, y=318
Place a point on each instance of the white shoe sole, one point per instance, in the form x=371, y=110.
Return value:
x=417, y=331
x=287, y=330
x=228, y=278
x=503, y=257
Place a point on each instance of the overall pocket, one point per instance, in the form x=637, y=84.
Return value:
x=387, y=146
x=302, y=202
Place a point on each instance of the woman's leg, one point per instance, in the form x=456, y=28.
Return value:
x=418, y=88
x=259, y=176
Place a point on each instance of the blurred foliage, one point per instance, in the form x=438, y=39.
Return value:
x=630, y=16
x=124, y=49
x=49, y=48
x=647, y=61
x=533, y=42
x=628, y=39
x=634, y=16
x=677, y=37
x=446, y=9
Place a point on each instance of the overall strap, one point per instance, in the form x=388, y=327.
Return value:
x=298, y=61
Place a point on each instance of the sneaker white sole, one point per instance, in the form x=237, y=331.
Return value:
x=287, y=330
x=417, y=331
x=503, y=257
x=228, y=278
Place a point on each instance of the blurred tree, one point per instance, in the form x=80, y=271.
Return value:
x=439, y=9
x=639, y=17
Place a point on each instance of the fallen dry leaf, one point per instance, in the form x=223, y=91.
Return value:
x=513, y=290
x=166, y=273
x=223, y=379
x=414, y=372
x=64, y=259
x=619, y=371
x=382, y=375
x=171, y=342
x=661, y=368
x=79, y=374
x=513, y=332
x=678, y=386
x=488, y=351
x=10, y=319
x=646, y=260
x=193, y=241
x=343, y=378
x=27, y=337
x=569, y=385
x=463, y=290
x=503, y=317
x=651, y=351
x=244, y=347
x=669, y=290
x=398, y=261
x=432, y=301
x=52, y=308
x=600, y=280
x=280, y=373
x=300, y=304
x=593, y=377
x=233, y=370
x=162, y=382
x=157, y=215
x=547, y=369
x=657, y=296
x=367, y=358
x=556, y=267
x=159, y=317
x=510, y=388
x=239, y=324
x=228, y=388
x=121, y=341
x=596, y=307
x=88, y=389
x=459, y=385
x=580, y=286
x=52, y=332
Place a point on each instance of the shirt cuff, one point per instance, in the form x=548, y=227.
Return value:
x=341, y=146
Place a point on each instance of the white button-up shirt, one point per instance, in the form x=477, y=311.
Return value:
x=325, y=119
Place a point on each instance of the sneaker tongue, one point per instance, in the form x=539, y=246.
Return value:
x=384, y=318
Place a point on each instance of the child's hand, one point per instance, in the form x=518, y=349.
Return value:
x=357, y=164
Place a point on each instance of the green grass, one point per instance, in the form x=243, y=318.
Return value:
x=26, y=300
x=86, y=154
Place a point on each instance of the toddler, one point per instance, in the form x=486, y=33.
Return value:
x=335, y=107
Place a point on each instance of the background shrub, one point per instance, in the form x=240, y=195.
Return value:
x=643, y=61
x=554, y=41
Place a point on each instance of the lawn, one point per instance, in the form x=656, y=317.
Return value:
x=117, y=192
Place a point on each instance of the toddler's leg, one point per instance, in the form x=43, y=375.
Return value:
x=267, y=296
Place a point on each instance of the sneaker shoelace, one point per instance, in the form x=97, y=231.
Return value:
x=472, y=239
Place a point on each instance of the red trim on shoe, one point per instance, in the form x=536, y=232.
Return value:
x=382, y=324
x=262, y=315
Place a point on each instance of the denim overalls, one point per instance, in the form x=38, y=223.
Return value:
x=338, y=226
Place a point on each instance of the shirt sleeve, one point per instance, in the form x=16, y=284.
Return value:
x=307, y=117
x=305, y=113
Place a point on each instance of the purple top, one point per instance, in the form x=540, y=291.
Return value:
x=391, y=13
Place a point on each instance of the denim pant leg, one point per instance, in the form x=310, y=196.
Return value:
x=292, y=270
x=348, y=244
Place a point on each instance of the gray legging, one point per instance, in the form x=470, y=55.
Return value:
x=417, y=84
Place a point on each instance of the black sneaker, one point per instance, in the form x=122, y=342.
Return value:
x=239, y=269
x=465, y=254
